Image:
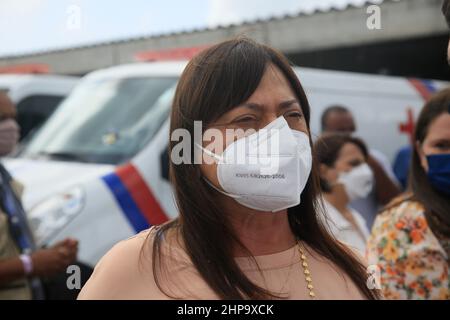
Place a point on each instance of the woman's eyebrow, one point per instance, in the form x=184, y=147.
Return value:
x=288, y=103
x=439, y=140
x=253, y=106
x=259, y=107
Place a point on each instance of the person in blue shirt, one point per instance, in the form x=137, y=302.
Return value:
x=401, y=165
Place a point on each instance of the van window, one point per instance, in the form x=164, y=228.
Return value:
x=105, y=121
x=32, y=111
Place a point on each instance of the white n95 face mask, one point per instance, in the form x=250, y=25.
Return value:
x=358, y=182
x=266, y=170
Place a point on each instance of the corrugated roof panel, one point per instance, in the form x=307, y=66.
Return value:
x=318, y=9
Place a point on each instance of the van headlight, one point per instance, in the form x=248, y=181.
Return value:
x=48, y=217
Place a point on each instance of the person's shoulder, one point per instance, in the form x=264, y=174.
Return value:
x=122, y=269
x=403, y=229
x=401, y=207
x=130, y=248
x=139, y=239
x=126, y=271
x=17, y=187
x=334, y=277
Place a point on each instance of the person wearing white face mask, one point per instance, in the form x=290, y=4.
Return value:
x=21, y=262
x=247, y=225
x=338, y=119
x=281, y=172
x=344, y=177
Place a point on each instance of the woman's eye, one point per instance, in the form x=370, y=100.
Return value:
x=443, y=146
x=244, y=120
x=294, y=115
x=355, y=164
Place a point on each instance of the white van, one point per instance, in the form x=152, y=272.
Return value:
x=35, y=96
x=97, y=169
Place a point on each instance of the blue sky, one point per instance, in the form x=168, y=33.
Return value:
x=36, y=25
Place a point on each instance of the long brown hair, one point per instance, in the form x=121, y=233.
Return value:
x=437, y=205
x=214, y=82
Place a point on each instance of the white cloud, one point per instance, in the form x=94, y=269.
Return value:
x=13, y=10
x=19, y=7
x=18, y=18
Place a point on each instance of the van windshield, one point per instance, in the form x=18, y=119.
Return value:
x=104, y=121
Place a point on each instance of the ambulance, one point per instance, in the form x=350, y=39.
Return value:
x=97, y=170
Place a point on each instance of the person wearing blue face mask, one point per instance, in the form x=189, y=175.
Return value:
x=439, y=172
x=410, y=240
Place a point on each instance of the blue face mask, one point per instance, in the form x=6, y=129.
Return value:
x=439, y=172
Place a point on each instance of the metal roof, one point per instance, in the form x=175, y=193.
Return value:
x=318, y=9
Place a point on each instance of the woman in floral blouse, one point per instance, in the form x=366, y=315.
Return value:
x=410, y=241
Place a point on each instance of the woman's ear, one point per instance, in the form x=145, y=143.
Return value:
x=422, y=157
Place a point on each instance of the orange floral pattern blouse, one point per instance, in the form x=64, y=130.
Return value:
x=412, y=262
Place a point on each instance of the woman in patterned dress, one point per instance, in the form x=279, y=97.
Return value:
x=410, y=241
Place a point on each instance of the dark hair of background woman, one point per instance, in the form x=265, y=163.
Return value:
x=327, y=149
x=437, y=204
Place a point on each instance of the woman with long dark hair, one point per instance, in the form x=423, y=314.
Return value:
x=242, y=232
x=344, y=176
x=410, y=240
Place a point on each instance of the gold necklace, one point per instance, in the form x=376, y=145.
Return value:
x=306, y=271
